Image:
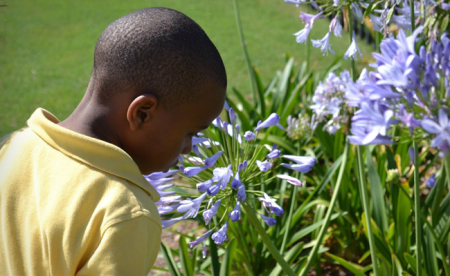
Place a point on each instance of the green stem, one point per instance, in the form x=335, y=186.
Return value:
x=447, y=167
x=247, y=57
x=417, y=222
x=307, y=51
x=318, y=243
x=365, y=202
x=440, y=248
x=413, y=24
x=267, y=241
x=350, y=30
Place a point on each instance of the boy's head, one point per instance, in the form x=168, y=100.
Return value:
x=164, y=81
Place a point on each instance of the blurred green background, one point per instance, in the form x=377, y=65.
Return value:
x=46, y=46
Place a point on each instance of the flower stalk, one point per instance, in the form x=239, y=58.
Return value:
x=267, y=241
x=318, y=243
x=365, y=202
x=417, y=211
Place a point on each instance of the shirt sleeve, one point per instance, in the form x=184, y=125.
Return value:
x=129, y=247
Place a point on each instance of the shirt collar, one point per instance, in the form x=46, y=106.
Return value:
x=96, y=153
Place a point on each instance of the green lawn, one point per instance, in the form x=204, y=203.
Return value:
x=46, y=46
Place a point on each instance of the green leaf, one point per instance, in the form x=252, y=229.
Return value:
x=225, y=268
x=390, y=13
x=215, y=265
x=354, y=268
x=430, y=254
x=185, y=259
x=168, y=257
x=290, y=257
x=283, y=86
x=377, y=193
x=371, y=7
x=411, y=261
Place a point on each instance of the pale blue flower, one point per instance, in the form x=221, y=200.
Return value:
x=157, y=182
x=236, y=182
x=210, y=213
x=431, y=181
x=217, y=123
x=441, y=129
x=268, y=220
x=190, y=207
x=166, y=200
x=235, y=215
x=159, y=175
x=357, y=11
x=270, y=205
x=377, y=25
x=213, y=190
x=241, y=195
x=324, y=44
x=191, y=171
x=304, y=163
x=194, y=244
x=302, y=35
x=275, y=153
x=210, y=161
x=336, y=27
x=226, y=106
x=196, y=151
x=264, y=166
x=272, y=120
x=163, y=210
x=445, y=6
x=232, y=115
x=249, y=136
x=170, y=222
x=291, y=180
x=204, y=186
x=353, y=49
x=220, y=236
x=222, y=175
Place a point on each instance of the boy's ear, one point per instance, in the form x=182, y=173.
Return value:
x=141, y=110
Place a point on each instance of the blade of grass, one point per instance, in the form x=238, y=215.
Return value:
x=186, y=263
x=225, y=268
x=417, y=222
x=168, y=257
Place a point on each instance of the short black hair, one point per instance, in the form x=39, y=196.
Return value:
x=158, y=51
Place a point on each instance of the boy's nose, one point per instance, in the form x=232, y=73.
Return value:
x=188, y=148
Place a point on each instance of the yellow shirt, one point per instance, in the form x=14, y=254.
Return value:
x=73, y=205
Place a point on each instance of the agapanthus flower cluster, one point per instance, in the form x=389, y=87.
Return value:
x=329, y=101
x=300, y=126
x=408, y=89
x=385, y=17
x=226, y=168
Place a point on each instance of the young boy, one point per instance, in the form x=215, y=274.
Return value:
x=73, y=200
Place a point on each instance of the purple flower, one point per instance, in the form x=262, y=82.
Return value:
x=441, y=129
x=249, y=136
x=220, y=236
x=236, y=182
x=204, y=186
x=163, y=210
x=210, y=213
x=353, y=49
x=264, y=166
x=357, y=11
x=242, y=166
x=336, y=27
x=272, y=120
x=304, y=163
x=411, y=154
x=226, y=105
x=232, y=115
x=217, y=123
x=190, y=207
x=373, y=120
x=376, y=23
x=170, y=222
x=166, y=200
x=235, y=215
x=302, y=35
x=445, y=6
x=222, y=175
x=210, y=161
x=268, y=220
x=195, y=149
x=194, y=244
x=275, y=153
x=213, y=190
x=291, y=180
x=158, y=182
x=159, y=175
x=198, y=140
x=191, y=171
x=431, y=181
x=271, y=206
x=309, y=19
x=324, y=44
x=241, y=195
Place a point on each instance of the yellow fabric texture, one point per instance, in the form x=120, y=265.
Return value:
x=73, y=205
